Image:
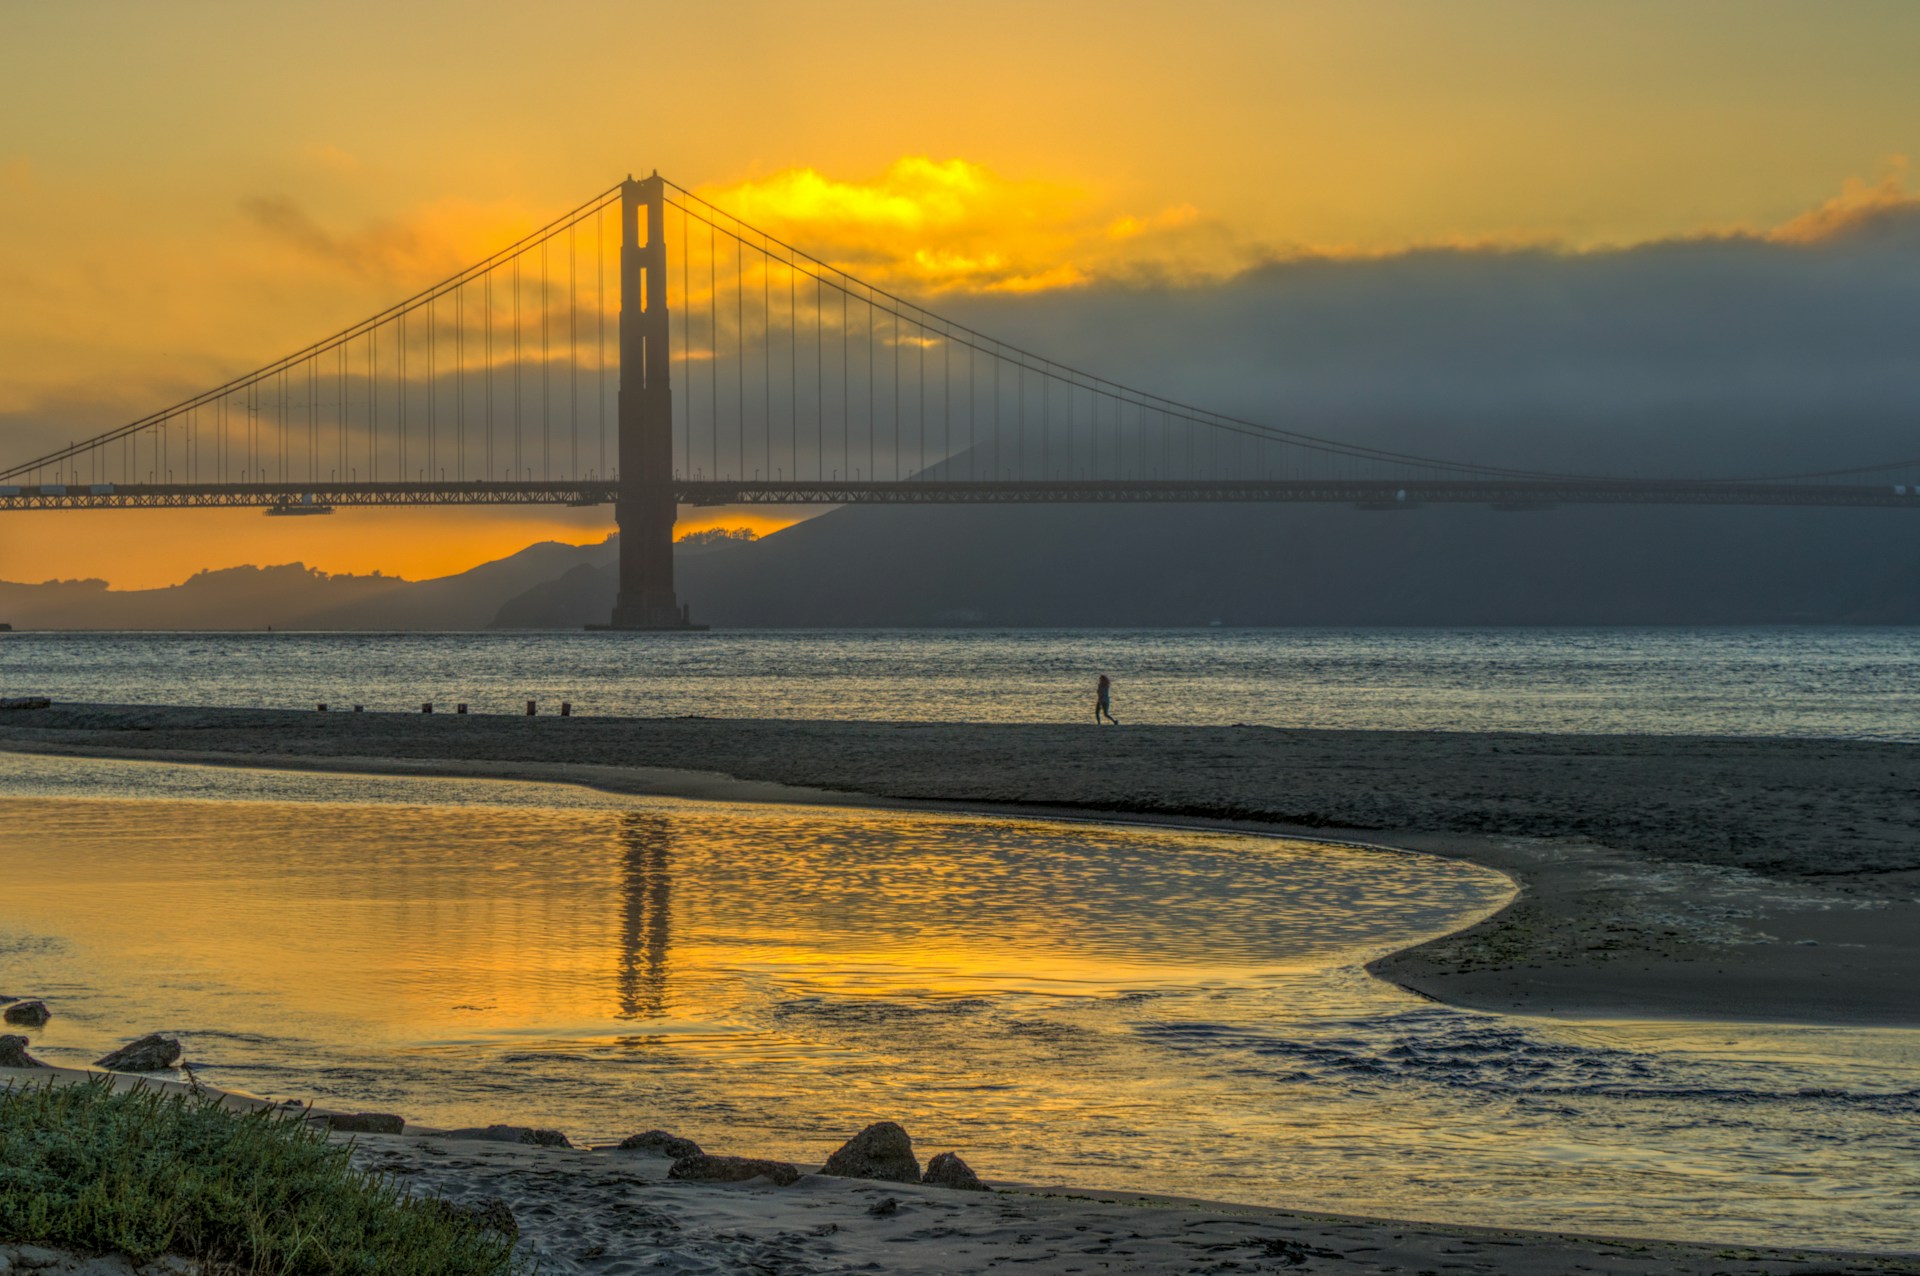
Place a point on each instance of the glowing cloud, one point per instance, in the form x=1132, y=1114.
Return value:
x=952, y=225
x=1858, y=205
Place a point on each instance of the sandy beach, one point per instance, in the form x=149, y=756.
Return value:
x=1698, y=878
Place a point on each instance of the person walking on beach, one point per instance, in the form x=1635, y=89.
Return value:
x=1102, y=702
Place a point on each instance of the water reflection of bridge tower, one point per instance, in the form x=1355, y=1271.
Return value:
x=646, y=914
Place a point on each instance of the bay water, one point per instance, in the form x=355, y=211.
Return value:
x=1854, y=683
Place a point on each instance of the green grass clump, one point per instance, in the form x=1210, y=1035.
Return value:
x=148, y=1173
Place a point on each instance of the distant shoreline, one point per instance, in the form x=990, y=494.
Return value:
x=1675, y=877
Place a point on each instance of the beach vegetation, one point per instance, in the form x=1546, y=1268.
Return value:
x=146, y=1173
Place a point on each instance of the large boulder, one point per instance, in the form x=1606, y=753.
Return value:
x=546, y=1139
x=29, y=1014
x=365, y=1123
x=732, y=1169
x=948, y=1170
x=13, y=1053
x=660, y=1143
x=152, y=1053
x=881, y=1151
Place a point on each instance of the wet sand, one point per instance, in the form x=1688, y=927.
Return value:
x=613, y=1212
x=1736, y=879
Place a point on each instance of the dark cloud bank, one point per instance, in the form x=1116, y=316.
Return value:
x=1722, y=356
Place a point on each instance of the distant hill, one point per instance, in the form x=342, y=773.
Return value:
x=1286, y=565
x=294, y=596
x=1101, y=565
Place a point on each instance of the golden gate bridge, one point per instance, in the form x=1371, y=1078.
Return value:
x=530, y=378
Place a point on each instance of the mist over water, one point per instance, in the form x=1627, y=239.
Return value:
x=1121, y=1007
x=1860, y=683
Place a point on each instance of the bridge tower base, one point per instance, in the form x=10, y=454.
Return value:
x=644, y=506
x=646, y=599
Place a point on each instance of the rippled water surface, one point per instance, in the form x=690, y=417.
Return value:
x=1859, y=683
x=1109, y=1006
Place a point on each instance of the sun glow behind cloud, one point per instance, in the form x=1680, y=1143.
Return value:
x=954, y=225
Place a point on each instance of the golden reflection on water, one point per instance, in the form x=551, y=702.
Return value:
x=428, y=924
x=1128, y=1007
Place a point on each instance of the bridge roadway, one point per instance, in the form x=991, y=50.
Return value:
x=1502, y=494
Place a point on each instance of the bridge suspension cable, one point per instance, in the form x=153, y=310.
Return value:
x=380, y=400
x=785, y=369
x=1108, y=430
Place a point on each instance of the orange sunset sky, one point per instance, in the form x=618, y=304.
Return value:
x=190, y=190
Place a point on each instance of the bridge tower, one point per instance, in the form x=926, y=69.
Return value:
x=644, y=505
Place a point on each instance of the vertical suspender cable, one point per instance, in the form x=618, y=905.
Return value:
x=713, y=340
x=1046, y=420
x=740, y=355
x=686, y=336
x=846, y=389
x=600, y=359
x=460, y=383
x=819, y=384
x=896, y=394
x=871, y=410
x=766, y=355
x=433, y=386
x=793, y=370
x=546, y=366
x=400, y=386
x=573, y=365
x=1020, y=466
x=486, y=360
x=519, y=471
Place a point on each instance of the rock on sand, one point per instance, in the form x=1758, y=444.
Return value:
x=948, y=1170
x=30, y=1013
x=365, y=1123
x=152, y=1053
x=881, y=1151
x=13, y=1053
x=661, y=1142
x=732, y=1169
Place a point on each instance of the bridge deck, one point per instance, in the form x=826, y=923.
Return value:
x=1513, y=494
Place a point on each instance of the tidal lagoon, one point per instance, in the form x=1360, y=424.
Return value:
x=1137, y=1008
